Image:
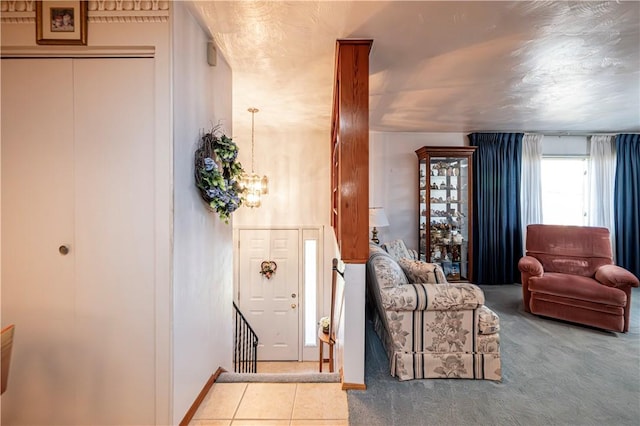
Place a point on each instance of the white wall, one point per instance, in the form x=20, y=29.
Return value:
x=202, y=271
x=393, y=178
x=353, y=334
x=297, y=163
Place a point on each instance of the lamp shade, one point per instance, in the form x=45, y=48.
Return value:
x=377, y=217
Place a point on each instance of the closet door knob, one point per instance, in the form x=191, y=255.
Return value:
x=64, y=250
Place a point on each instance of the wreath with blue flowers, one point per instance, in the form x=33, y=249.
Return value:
x=218, y=174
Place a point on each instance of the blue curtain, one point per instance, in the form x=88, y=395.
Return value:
x=497, y=233
x=626, y=201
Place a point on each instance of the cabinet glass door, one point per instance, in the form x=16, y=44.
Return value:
x=444, y=214
x=448, y=204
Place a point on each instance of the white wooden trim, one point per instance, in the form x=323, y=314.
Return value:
x=77, y=52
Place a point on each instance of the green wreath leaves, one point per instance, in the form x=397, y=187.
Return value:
x=217, y=173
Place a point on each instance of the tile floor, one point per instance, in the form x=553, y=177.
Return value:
x=275, y=404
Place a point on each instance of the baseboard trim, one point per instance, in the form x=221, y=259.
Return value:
x=353, y=386
x=203, y=393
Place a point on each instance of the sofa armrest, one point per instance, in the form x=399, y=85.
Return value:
x=616, y=276
x=432, y=297
x=531, y=266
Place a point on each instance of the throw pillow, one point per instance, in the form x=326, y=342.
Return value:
x=422, y=272
x=387, y=272
x=397, y=249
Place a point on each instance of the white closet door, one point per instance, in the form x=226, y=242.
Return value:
x=37, y=217
x=114, y=219
x=77, y=169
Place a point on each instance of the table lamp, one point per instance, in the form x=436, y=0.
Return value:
x=377, y=218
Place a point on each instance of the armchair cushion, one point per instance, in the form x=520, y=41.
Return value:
x=422, y=272
x=578, y=250
x=572, y=241
x=432, y=297
x=585, y=266
x=577, y=287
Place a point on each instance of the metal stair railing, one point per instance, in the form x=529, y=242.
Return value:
x=245, y=343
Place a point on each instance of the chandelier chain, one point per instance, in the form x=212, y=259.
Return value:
x=253, y=112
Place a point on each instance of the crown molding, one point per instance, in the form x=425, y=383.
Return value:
x=100, y=11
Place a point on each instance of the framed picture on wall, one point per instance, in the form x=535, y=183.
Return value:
x=61, y=22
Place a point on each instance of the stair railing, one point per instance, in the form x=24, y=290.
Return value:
x=245, y=343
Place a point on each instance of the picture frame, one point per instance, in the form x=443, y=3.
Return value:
x=61, y=22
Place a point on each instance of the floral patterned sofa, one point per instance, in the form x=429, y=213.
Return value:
x=430, y=328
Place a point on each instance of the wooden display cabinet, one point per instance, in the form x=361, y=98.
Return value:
x=446, y=209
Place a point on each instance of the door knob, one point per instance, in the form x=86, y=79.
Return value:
x=293, y=306
x=64, y=250
x=293, y=295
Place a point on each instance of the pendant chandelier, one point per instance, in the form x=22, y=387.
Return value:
x=255, y=185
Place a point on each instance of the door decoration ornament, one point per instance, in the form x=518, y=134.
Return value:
x=217, y=173
x=268, y=268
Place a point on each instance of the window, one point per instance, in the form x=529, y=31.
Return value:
x=310, y=291
x=564, y=190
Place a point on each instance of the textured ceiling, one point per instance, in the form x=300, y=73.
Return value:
x=543, y=66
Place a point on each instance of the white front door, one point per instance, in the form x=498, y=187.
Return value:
x=271, y=305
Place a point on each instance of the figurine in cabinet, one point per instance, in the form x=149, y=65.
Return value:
x=455, y=254
x=437, y=253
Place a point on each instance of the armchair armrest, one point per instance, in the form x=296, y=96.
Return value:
x=432, y=297
x=530, y=265
x=616, y=276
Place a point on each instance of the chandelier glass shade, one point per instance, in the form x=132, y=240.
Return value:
x=255, y=186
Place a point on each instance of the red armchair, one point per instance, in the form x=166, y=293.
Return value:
x=568, y=273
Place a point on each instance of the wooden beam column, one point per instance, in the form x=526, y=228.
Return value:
x=350, y=150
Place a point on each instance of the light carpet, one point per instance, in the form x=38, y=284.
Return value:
x=554, y=373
